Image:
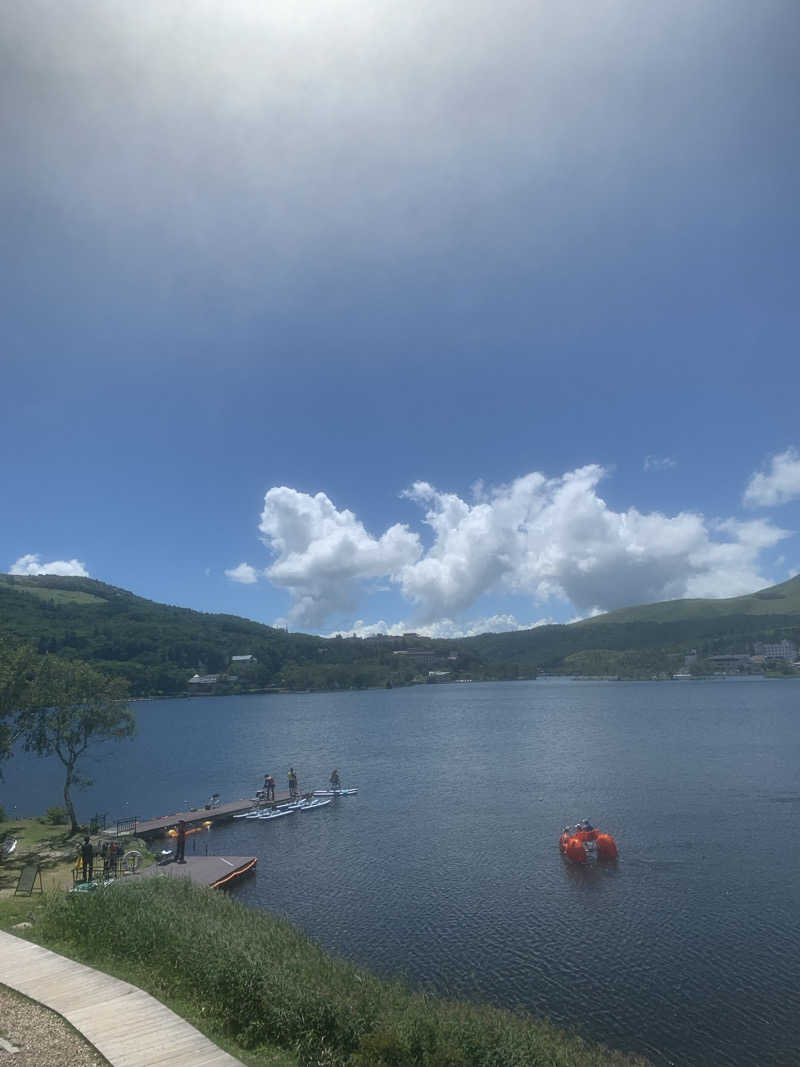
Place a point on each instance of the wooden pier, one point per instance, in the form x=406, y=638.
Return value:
x=197, y=817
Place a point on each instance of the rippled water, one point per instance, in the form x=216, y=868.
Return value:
x=445, y=867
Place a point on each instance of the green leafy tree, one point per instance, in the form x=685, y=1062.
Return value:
x=69, y=707
x=17, y=670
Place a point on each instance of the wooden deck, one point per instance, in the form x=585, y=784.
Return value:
x=197, y=816
x=212, y=871
x=129, y=1027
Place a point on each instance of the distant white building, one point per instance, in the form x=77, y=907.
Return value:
x=204, y=679
x=243, y=659
x=782, y=650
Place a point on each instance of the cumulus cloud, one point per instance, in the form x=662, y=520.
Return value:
x=542, y=538
x=323, y=553
x=659, y=463
x=779, y=485
x=32, y=564
x=244, y=573
x=558, y=538
x=500, y=623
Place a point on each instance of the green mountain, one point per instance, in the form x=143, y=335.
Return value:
x=158, y=647
x=783, y=599
x=651, y=638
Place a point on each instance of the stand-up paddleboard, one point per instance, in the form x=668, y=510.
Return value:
x=308, y=805
x=276, y=814
x=335, y=792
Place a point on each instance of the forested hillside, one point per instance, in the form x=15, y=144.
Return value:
x=158, y=647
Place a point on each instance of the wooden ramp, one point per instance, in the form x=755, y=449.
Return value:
x=129, y=1027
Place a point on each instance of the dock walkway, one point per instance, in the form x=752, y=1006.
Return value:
x=128, y=1026
x=197, y=816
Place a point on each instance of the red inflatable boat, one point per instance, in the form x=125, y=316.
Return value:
x=584, y=843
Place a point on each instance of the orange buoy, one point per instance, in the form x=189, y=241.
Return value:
x=606, y=847
x=575, y=850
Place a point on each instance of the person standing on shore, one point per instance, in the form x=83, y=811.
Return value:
x=87, y=859
x=181, y=842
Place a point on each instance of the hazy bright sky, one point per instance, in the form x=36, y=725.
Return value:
x=436, y=316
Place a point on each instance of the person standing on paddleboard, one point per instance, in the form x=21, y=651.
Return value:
x=334, y=780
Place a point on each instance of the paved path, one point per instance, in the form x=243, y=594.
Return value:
x=129, y=1027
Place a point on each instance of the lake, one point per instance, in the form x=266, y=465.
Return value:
x=445, y=867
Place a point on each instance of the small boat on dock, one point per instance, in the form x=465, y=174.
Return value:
x=335, y=792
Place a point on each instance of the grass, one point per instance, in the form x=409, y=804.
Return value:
x=59, y=596
x=259, y=983
x=55, y=851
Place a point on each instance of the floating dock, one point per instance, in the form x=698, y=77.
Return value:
x=211, y=871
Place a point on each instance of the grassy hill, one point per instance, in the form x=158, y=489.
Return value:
x=655, y=637
x=783, y=599
x=157, y=647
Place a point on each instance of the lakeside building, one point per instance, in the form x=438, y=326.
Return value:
x=418, y=655
x=781, y=650
x=735, y=663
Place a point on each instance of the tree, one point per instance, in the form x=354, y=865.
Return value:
x=68, y=707
x=17, y=671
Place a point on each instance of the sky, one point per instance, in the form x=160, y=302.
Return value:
x=377, y=317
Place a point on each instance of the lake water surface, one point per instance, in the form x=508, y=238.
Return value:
x=445, y=867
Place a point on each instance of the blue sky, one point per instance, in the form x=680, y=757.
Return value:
x=436, y=316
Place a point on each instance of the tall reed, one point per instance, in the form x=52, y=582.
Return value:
x=260, y=981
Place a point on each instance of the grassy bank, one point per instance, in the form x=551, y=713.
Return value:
x=54, y=850
x=264, y=985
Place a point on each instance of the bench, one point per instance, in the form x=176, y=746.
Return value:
x=28, y=878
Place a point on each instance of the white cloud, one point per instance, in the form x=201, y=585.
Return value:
x=659, y=463
x=32, y=564
x=244, y=573
x=501, y=623
x=323, y=553
x=780, y=485
x=537, y=537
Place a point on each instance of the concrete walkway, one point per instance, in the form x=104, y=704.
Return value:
x=129, y=1027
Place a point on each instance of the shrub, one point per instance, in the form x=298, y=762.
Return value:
x=56, y=816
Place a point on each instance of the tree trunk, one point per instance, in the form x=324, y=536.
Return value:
x=73, y=822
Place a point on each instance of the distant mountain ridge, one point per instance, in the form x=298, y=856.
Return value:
x=783, y=599
x=158, y=647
